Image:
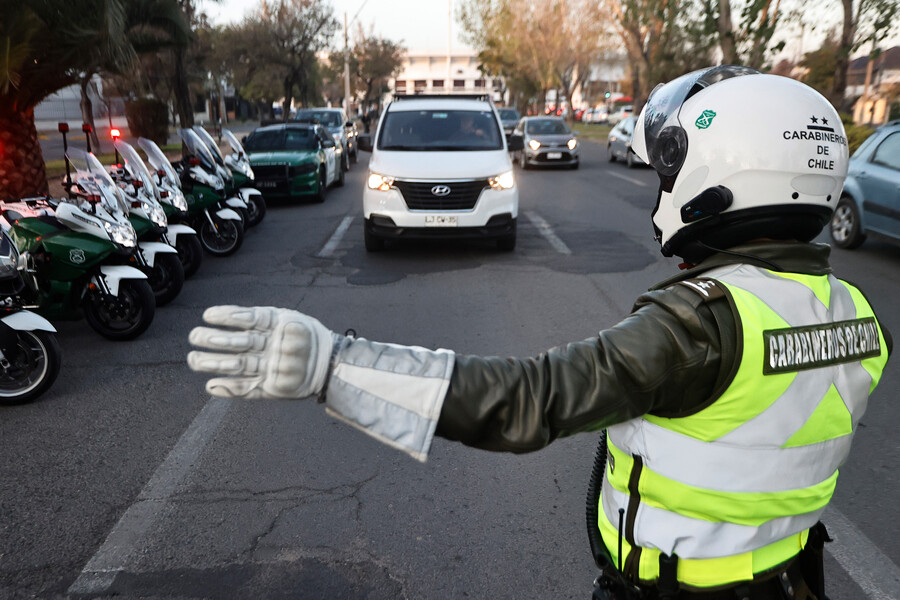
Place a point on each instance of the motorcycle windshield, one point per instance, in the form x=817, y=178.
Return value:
x=158, y=161
x=236, y=145
x=93, y=178
x=197, y=148
x=136, y=167
x=210, y=144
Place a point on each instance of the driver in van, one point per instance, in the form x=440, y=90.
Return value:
x=729, y=396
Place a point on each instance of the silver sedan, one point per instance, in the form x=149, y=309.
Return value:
x=618, y=143
x=548, y=141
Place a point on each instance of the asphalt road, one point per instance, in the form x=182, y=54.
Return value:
x=126, y=480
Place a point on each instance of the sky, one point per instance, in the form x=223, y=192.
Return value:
x=421, y=25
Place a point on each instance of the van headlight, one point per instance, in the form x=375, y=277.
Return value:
x=534, y=145
x=572, y=143
x=503, y=181
x=379, y=182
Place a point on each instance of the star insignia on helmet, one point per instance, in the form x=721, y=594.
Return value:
x=824, y=121
x=814, y=119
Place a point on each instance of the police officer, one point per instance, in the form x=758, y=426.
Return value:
x=730, y=394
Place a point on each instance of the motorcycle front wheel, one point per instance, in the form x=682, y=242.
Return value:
x=166, y=278
x=32, y=370
x=190, y=252
x=256, y=207
x=122, y=317
x=223, y=239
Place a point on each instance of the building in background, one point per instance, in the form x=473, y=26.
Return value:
x=874, y=101
x=444, y=73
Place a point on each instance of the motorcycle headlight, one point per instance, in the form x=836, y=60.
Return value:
x=179, y=202
x=337, y=138
x=9, y=258
x=534, y=144
x=572, y=143
x=503, y=181
x=156, y=214
x=121, y=235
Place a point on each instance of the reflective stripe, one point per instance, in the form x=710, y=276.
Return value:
x=393, y=393
x=725, y=467
x=707, y=572
x=671, y=532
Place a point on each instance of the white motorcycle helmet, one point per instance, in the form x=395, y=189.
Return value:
x=740, y=156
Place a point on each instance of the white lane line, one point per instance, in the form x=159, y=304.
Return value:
x=547, y=231
x=872, y=571
x=627, y=178
x=112, y=557
x=335, y=239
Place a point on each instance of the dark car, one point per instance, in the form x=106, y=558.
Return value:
x=548, y=141
x=335, y=123
x=293, y=160
x=870, y=202
x=509, y=117
x=618, y=143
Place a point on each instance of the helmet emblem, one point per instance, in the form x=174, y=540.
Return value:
x=440, y=190
x=76, y=255
x=705, y=120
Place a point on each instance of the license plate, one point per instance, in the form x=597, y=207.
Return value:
x=554, y=155
x=441, y=221
x=266, y=184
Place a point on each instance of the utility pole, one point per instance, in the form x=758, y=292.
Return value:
x=346, y=68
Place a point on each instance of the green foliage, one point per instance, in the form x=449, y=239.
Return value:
x=820, y=65
x=894, y=111
x=856, y=135
x=148, y=118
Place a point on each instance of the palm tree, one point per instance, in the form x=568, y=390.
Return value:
x=46, y=45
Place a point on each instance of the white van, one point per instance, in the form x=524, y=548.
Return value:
x=440, y=168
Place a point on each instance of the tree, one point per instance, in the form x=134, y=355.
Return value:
x=749, y=43
x=373, y=62
x=820, y=65
x=295, y=30
x=863, y=21
x=41, y=52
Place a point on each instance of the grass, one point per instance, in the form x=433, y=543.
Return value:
x=57, y=168
x=593, y=132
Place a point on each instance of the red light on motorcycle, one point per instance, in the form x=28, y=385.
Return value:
x=63, y=127
x=138, y=185
x=195, y=162
x=164, y=194
x=161, y=173
x=115, y=133
x=85, y=127
x=93, y=198
x=136, y=204
x=92, y=287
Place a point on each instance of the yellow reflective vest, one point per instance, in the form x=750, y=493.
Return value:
x=733, y=489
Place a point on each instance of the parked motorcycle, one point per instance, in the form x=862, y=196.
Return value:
x=30, y=356
x=232, y=199
x=239, y=163
x=74, y=247
x=220, y=227
x=165, y=274
x=174, y=204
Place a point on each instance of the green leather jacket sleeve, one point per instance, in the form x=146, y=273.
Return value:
x=666, y=358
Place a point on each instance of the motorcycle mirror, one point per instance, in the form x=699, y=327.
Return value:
x=93, y=198
x=63, y=127
x=85, y=127
x=115, y=134
x=194, y=161
x=138, y=184
x=160, y=173
x=164, y=193
x=135, y=204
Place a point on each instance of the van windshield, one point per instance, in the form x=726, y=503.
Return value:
x=440, y=130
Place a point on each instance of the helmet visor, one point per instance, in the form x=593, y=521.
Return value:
x=666, y=142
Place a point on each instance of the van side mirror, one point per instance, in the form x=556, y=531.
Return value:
x=364, y=142
x=515, y=143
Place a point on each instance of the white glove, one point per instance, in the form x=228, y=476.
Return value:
x=268, y=352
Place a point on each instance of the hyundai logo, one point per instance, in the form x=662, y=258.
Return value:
x=440, y=190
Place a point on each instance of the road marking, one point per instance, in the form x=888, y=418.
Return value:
x=335, y=239
x=544, y=228
x=872, y=571
x=627, y=178
x=112, y=557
